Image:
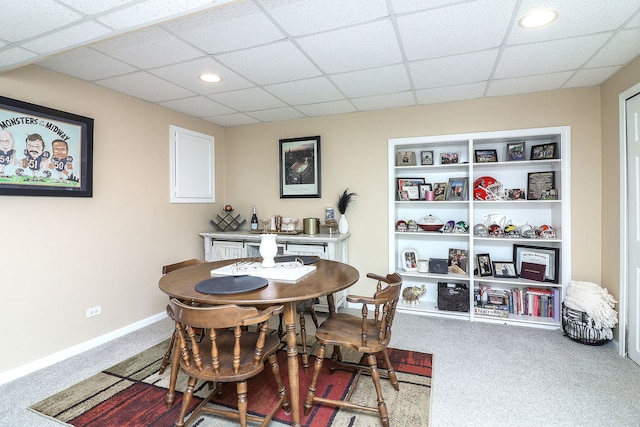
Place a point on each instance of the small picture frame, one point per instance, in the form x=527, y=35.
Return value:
x=403, y=183
x=410, y=260
x=484, y=265
x=405, y=158
x=516, y=194
x=458, y=261
x=504, y=269
x=486, y=156
x=544, y=151
x=413, y=191
x=423, y=190
x=542, y=186
x=426, y=158
x=403, y=195
x=515, y=151
x=449, y=158
x=440, y=191
x=457, y=188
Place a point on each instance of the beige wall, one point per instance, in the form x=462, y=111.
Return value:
x=354, y=155
x=117, y=241
x=610, y=92
x=60, y=256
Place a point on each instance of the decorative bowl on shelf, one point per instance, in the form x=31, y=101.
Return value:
x=430, y=223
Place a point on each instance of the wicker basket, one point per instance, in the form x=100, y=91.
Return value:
x=453, y=296
x=578, y=326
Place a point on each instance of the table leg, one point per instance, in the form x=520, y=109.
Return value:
x=292, y=361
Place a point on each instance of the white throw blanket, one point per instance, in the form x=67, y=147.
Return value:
x=596, y=302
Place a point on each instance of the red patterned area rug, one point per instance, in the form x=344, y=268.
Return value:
x=132, y=394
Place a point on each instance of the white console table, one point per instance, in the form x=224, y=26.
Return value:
x=242, y=244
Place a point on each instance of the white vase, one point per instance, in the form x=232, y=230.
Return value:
x=268, y=250
x=343, y=225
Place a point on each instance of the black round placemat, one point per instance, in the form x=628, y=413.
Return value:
x=306, y=260
x=227, y=285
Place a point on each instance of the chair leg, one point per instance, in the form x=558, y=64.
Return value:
x=167, y=355
x=186, y=400
x=242, y=402
x=375, y=376
x=173, y=378
x=280, y=327
x=314, y=316
x=303, y=335
x=312, y=387
x=275, y=368
x=393, y=378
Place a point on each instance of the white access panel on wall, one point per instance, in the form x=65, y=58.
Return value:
x=192, y=166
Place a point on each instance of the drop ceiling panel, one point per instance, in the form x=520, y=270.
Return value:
x=590, y=77
x=87, y=64
x=236, y=119
x=251, y=99
x=453, y=70
x=617, y=49
x=197, y=106
x=145, y=86
x=375, y=81
x=50, y=15
x=306, y=91
x=75, y=35
x=327, y=108
x=379, y=102
x=277, y=114
x=451, y=93
x=527, y=84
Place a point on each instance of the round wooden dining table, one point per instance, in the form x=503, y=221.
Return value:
x=329, y=277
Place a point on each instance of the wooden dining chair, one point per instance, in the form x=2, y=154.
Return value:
x=366, y=334
x=165, y=270
x=229, y=352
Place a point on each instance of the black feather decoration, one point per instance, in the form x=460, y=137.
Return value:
x=344, y=200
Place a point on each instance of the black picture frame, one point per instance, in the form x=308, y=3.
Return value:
x=544, y=151
x=300, y=175
x=486, y=156
x=547, y=256
x=504, y=269
x=542, y=186
x=449, y=158
x=483, y=263
x=515, y=151
x=44, y=151
x=426, y=157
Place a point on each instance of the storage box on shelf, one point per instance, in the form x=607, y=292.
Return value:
x=521, y=178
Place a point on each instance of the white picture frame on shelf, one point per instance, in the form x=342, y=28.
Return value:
x=410, y=259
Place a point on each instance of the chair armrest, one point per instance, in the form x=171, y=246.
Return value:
x=364, y=300
x=376, y=277
x=265, y=314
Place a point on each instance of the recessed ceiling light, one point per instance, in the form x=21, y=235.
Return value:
x=538, y=18
x=210, y=78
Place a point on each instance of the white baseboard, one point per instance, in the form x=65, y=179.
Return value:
x=54, y=358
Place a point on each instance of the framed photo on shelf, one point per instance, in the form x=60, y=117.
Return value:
x=300, y=167
x=515, y=151
x=423, y=190
x=486, y=156
x=413, y=191
x=439, y=190
x=542, y=186
x=458, y=261
x=403, y=195
x=544, y=151
x=448, y=158
x=546, y=256
x=426, y=157
x=409, y=260
x=405, y=158
x=457, y=188
x=484, y=265
x=504, y=269
x=515, y=194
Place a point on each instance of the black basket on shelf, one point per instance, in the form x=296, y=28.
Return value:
x=453, y=296
x=578, y=326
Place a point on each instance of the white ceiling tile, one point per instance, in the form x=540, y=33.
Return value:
x=50, y=14
x=379, y=102
x=403, y=6
x=622, y=48
x=86, y=63
x=236, y=26
x=187, y=75
x=591, y=77
x=197, y=106
x=353, y=48
x=527, y=84
x=548, y=57
x=232, y=120
x=575, y=18
x=327, y=108
x=272, y=63
x=15, y=55
x=153, y=47
x=376, y=81
x=634, y=22
x=145, y=86
x=301, y=17
x=276, y=114
x=94, y=6
x=307, y=91
x=451, y=93
x=453, y=70
x=250, y=99
x=461, y=28
x=69, y=37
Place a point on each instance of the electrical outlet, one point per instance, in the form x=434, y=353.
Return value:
x=94, y=311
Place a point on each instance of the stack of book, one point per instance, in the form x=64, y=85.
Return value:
x=528, y=301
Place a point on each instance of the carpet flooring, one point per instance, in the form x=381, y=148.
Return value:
x=132, y=394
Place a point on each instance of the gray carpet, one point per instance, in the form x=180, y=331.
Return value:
x=484, y=375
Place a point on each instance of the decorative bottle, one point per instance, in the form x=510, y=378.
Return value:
x=254, y=220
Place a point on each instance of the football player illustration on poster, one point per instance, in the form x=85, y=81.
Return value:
x=7, y=152
x=36, y=156
x=61, y=160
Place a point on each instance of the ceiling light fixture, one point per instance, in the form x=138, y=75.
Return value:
x=538, y=18
x=210, y=78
